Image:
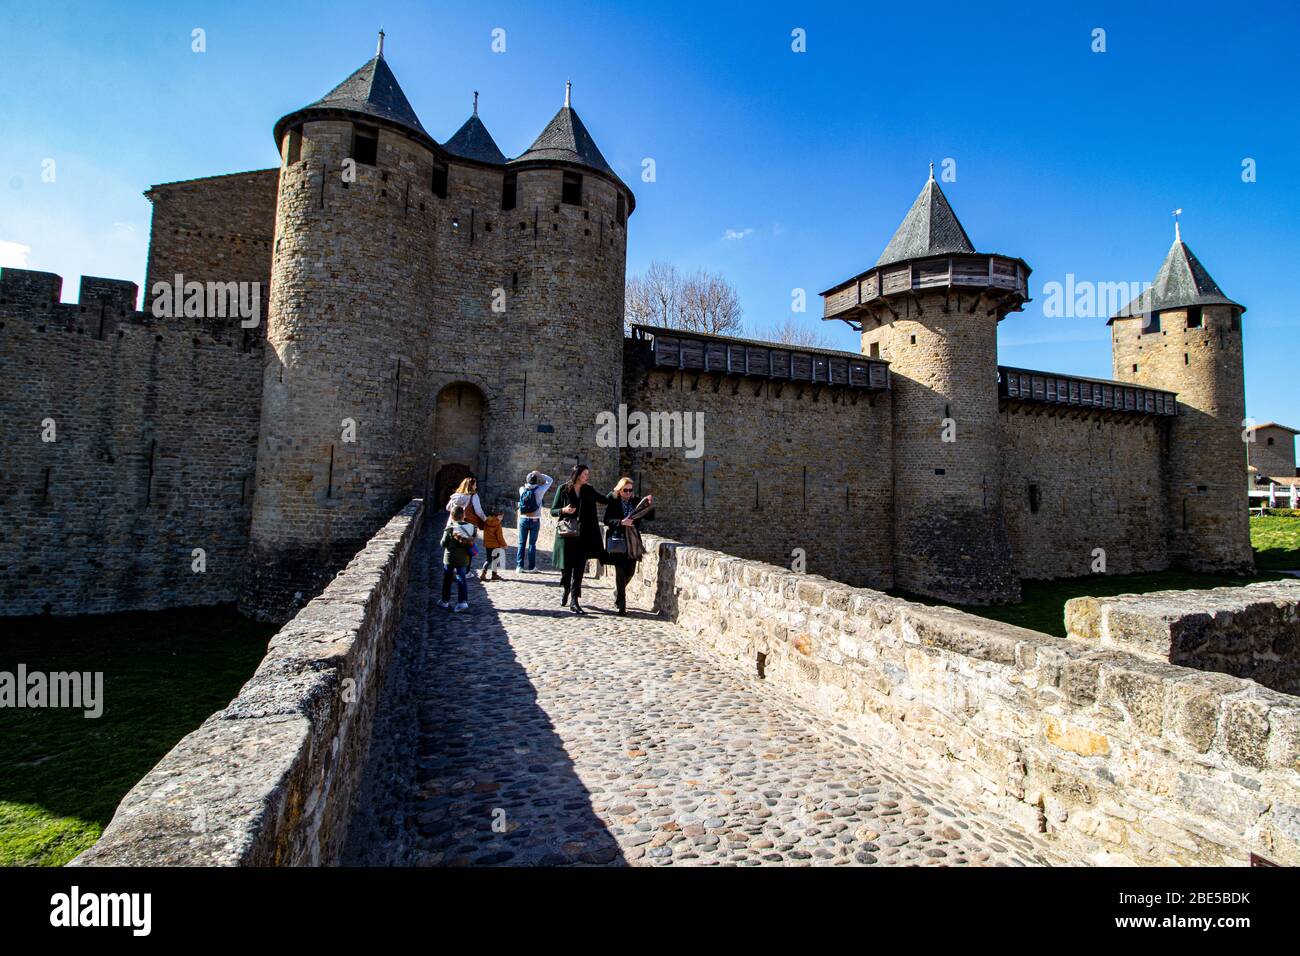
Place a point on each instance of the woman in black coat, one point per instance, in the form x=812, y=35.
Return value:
x=570, y=555
x=618, y=514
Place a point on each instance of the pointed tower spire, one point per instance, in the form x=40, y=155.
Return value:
x=473, y=141
x=566, y=139
x=372, y=91
x=930, y=228
x=1182, y=281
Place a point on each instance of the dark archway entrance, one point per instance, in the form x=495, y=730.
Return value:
x=449, y=476
x=457, y=439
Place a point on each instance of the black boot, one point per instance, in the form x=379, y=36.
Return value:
x=564, y=601
x=576, y=607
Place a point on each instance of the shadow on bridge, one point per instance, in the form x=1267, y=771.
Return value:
x=466, y=768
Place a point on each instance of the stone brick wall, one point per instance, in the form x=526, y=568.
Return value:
x=216, y=229
x=1118, y=757
x=155, y=426
x=1251, y=632
x=1099, y=483
x=784, y=466
x=950, y=536
x=1209, y=523
x=269, y=780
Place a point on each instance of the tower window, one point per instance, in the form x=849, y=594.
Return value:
x=875, y=350
x=1236, y=321
x=1270, y=441
x=572, y=191
x=1151, y=323
x=509, y=191
x=1035, y=498
x=1194, y=317
x=913, y=339
x=294, y=153
x=1135, y=368
x=620, y=212
x=439, y=180
x=365, y=145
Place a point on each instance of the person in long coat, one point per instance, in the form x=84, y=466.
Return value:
x=618, y=514
x=577, y=498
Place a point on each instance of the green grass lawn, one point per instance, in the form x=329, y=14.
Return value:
x=61, y=774
x=1276, y=539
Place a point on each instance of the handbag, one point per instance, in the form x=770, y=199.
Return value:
x=616, y=540
x=568, y=524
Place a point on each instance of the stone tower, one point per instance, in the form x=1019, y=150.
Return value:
x=930, y=306
x=343, y=439
x=1183, y=334
x=436, y=311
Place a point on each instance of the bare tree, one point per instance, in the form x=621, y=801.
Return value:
x=703, y=302
x=790, y=332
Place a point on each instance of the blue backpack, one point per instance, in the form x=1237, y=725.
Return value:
x=528, y=501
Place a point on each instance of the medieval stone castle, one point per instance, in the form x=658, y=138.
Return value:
x=434, y=309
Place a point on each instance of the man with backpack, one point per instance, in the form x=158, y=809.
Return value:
x=531, y=493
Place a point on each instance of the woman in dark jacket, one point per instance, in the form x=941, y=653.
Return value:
x=577, y=498
x=618, y=514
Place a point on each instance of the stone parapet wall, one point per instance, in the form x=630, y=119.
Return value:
x=130, y=448
x=1121, y=758
x=1251, y=632
x=269, y=780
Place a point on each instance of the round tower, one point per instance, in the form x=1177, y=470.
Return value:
x=569, y=239
x=1183, y=334
x=343, y=441
x=930, y=306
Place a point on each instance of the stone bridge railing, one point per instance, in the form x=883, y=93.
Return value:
x=1251, y=631
x=1118, y=757
x=269, y=780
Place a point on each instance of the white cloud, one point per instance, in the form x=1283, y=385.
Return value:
x=737, y=233
x=13, y=255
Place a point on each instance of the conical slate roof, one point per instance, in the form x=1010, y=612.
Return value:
x=372, y=91
x=473, y=141
x=1181, y=281
x=565, y=139
x=930, y=228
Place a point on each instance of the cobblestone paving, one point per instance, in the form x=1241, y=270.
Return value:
x=553, y=739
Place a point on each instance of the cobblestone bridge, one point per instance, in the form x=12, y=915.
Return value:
x=520, y=733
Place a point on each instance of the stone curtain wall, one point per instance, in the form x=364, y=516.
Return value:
x=1251, y=631
x=217, y=229
x=1120, y=758
x=1100, y=484
x=155, y=422
x=269, y=780
x=782, y=468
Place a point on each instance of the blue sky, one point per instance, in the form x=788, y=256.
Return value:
x=1068, y=158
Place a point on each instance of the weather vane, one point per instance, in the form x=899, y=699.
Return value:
x=1177, y=236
